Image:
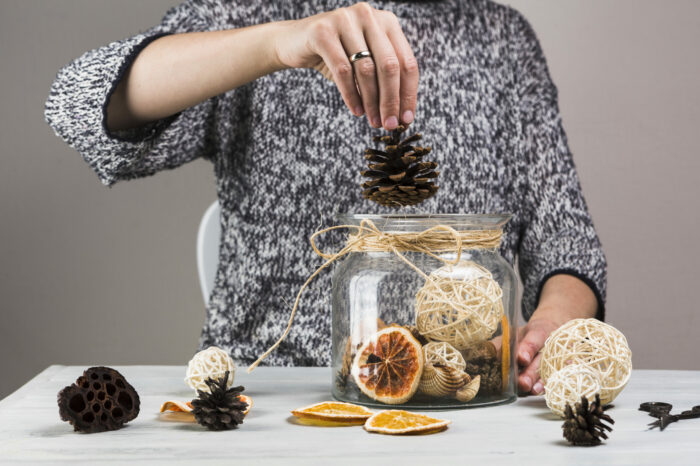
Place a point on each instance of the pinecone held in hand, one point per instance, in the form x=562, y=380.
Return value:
x=221, y=409
x=399, y=175
x=584, y=423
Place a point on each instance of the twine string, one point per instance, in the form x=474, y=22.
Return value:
x=368, y=238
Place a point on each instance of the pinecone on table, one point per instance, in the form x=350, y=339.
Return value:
x=399, y=176
x=341, y=378
x=584, y=422
x=221, y=409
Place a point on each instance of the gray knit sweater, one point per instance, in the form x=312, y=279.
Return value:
x=287, y=156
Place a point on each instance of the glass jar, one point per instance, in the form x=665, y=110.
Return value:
x=424, y=330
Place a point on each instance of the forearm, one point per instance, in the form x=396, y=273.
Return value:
x=564, y=298
x=178, y=71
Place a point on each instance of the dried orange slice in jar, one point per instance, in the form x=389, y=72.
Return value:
x=398, y=422
x=333, y=413
x=388, y=367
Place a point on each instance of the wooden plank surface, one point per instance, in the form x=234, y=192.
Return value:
x=523, y=432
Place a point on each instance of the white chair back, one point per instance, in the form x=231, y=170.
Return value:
x=208, y=238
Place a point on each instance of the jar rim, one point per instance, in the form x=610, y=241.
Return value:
x=423, y=221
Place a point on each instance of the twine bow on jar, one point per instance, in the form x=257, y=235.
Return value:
x=439, y=239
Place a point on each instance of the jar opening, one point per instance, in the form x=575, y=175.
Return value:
x=420, y=222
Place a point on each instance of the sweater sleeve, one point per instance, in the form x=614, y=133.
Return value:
x=558, y=235
x=77, y=102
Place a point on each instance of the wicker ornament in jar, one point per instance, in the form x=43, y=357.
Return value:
x=459, y=304
x=443, y=354
x=592, y=343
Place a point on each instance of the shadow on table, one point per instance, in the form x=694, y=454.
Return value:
x=540, y=405
x=313, y=423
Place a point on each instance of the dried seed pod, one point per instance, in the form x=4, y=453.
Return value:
x=101, y=399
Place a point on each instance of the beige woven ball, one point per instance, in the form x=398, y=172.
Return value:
x=212, y=362
x=459, y=304
x=594, y=344
x=568, y=385
x=443, y=354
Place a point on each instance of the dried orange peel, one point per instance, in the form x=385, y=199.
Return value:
x=505, y=351
x=333, y=413
x=388, y=367
x=185, y=407
x=399, y=422
x=176, y=406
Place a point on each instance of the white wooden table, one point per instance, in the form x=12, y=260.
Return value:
x=523, y=432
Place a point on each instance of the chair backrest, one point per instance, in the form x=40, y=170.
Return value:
x=208, y=238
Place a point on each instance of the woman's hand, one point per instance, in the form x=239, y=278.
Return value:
x=563, y=298
x=383, y=86
x=531, y=339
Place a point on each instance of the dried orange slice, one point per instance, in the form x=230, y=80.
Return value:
x=248, y=400
x=388, y=367
x=174, y=406
x=332, y=413
x=398, y=422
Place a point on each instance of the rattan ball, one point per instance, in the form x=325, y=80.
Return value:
x=594, y=344
x=213, y=363
x=443, y=354
x=459, y=304
x=568, y=385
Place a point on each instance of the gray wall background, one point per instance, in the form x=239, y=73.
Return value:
x=93, y=275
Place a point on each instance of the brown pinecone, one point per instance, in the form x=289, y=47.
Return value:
x=221, y=409
x=341, y=378
x=584, y=423
x=417, y=335
x=398, y=175
x=482, y=359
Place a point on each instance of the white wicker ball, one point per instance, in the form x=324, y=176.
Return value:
x=594, y=344
x=212, y=362
x=459, y=304
x=568, y=385
x=442, y=353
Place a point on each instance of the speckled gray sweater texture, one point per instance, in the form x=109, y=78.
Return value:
x=287, y=156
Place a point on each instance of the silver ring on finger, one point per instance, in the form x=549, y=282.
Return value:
x=359, y=56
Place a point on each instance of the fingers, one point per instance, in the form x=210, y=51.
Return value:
x=353, y=41
x=409, y=69
x=333, y=54
x=531, y=344
x=529, y=379
x=383, y=86
x=387, y=68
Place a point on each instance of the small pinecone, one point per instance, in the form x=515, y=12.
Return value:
x=221, y=409
x=399, y=176
x=341, y=378
x=584, y=423
x=482, y=359
x=417, y=335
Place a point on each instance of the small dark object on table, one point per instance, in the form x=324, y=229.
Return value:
x=584, y=424
x=221, y=409
x=100, y=400
x=662, y=411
